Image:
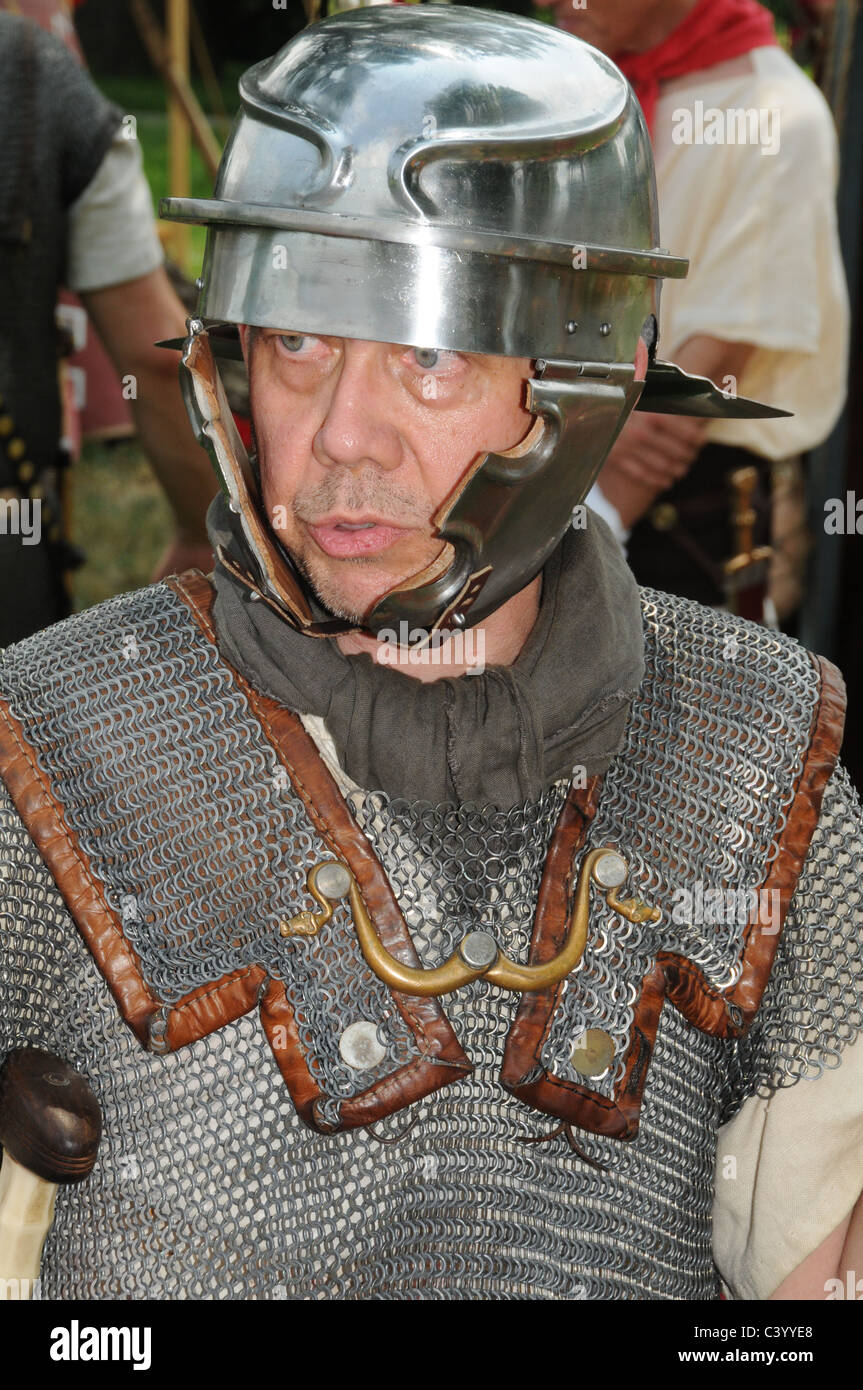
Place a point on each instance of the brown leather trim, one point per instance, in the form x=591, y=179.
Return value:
x=168, y=1027
x=729, y=1014
x=84, y=896
x=411, y=1083
x=280, y=1026
x=616, y=1117
x=211, y=1006
x=522, y=1072
x=327, y=811
x=724, y=1014
x=535, y=1011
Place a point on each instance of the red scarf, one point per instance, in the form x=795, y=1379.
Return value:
x=713, y=32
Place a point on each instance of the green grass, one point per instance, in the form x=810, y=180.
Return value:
x=144, y=98
x=153, y=138
x=147, y=92
x=120, y=516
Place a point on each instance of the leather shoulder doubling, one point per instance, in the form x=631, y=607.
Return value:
x=712, y=801
x=179, y=814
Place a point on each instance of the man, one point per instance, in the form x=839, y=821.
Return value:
x=498, y=1028
x=746, y=167
x=76, y=211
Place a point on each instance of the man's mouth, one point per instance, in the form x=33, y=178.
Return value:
x=345, y=539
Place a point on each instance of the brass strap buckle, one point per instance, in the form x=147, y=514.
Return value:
x=478, y=955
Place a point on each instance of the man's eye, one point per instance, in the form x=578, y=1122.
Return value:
x=294, y=342
x=302, y=347
x=428, y=358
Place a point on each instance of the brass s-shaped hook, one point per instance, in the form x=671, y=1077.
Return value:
x=478, y=955
x=327, y=883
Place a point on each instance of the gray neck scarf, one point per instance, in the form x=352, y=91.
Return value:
x=499, y=738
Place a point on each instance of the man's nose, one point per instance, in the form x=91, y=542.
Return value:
x=357, y=428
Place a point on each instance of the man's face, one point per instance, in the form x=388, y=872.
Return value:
x=359, y=443
x=621, y=26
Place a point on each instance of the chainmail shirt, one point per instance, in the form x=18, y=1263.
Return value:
x=209, y=1186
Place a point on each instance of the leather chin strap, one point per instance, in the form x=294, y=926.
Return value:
x=491, y=525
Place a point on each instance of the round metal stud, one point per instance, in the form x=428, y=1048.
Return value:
x=478, y=950
x=572, y=326
x=610, y=870
x=360, y=1046
x=604, y=329
x=592, y=1052
x=458, y=620
x=333, y=880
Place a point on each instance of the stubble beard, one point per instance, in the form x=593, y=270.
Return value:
x=355, y=492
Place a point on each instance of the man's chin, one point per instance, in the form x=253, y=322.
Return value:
x=351, y=594
x=349, y=589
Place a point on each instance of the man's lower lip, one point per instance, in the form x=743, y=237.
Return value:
x=346, y=545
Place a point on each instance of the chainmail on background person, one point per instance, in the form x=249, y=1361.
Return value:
x=209, y=1186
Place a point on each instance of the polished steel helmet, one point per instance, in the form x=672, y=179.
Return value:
x=455, y=179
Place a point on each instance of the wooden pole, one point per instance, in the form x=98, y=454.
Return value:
x=205, y=67
x=179, y=180
x=156, y=46
x=184, y=108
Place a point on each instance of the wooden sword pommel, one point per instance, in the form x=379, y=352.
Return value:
x=50, y=1127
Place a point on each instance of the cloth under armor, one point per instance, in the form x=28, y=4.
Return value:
x=501, y=736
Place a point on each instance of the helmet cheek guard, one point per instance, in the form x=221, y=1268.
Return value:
x=512, y=509
x=455, y=179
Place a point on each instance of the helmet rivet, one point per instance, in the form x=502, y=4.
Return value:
x=458, y=620
x=604, y=329
x=572, y=326
x=199, y=283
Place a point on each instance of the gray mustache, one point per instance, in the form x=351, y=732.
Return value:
x=367, y=490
